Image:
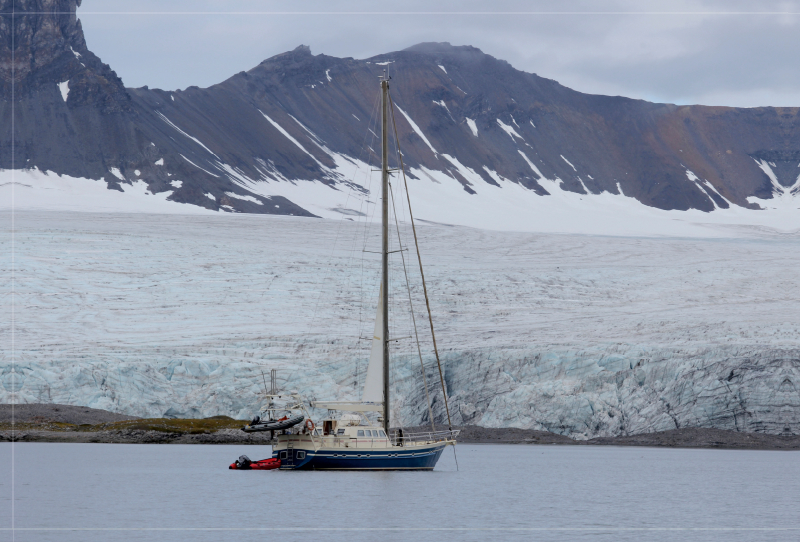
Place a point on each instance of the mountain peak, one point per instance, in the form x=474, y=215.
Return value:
x=444, y=48
x=299, y=54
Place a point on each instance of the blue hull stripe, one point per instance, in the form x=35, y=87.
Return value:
x=418, y=458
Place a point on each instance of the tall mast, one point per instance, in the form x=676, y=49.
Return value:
x=385, y=243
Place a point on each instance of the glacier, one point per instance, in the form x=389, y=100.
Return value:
x=584, y=335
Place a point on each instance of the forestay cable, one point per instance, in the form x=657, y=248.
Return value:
x=411, y=307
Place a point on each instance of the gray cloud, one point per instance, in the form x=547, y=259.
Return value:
x=709, y=52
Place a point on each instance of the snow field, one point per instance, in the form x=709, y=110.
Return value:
x=36, y=190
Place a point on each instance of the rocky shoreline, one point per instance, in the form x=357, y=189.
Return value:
x=71, y=424
x=690, y=437
x=136, y=436
x=678, y=438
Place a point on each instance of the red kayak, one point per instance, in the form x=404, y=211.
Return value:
x=244, y=463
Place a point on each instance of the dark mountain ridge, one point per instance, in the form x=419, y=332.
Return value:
x=290, y=117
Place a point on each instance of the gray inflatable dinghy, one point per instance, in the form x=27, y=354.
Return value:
x=272, y=425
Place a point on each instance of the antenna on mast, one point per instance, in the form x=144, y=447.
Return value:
x=265, y=382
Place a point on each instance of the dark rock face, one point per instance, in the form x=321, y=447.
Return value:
x=36, y=40
x=73, y=115
x=42, y=47
x=218, y=140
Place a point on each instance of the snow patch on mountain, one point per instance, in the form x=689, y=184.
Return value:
x=198, y=167
x=64, y=89
x=710, y=186
x=493, y=174
x=472, y=126
x=244, y=197
x=509, y=130
x=568, y=162
x=315, y=139
x=531, y=164
x=468, y=173
x=289, y=136
x=785, y=199
x=417, y=129
x=705, y=186
x=765, y=167
x=117, y=173
x=173, y=125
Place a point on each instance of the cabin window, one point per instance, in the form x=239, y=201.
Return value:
x=383, y=434
x=360, y=433
x=301, y=455
x=283, y=455
x=340, y=432
x=368, y=432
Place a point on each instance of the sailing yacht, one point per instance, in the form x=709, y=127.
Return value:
x=346, y=439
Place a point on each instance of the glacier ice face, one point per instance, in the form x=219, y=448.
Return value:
x=738, y=390
x=165, y=315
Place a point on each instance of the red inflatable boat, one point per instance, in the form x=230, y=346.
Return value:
x=244, y=463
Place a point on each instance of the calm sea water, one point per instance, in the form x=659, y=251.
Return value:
x=101, y=492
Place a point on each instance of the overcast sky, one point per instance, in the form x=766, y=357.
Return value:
x=737, y=53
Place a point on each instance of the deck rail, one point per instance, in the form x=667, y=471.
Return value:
x=413, y=439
